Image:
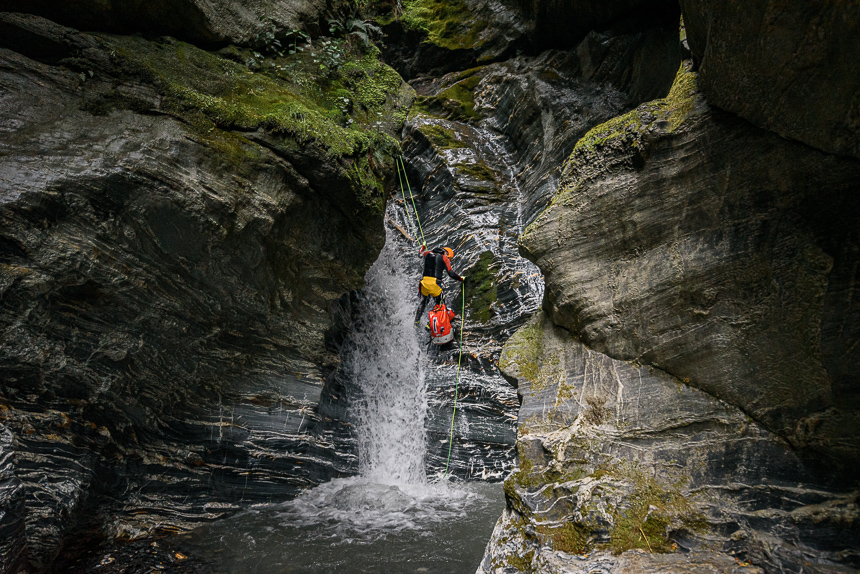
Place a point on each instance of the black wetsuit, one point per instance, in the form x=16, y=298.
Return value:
x=436, y=264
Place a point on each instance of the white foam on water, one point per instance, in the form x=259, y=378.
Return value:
x=356, y=510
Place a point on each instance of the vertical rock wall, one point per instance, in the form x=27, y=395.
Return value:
x=684, y=377
x=175, y=226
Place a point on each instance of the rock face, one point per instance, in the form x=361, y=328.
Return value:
x=789, y=67
x=202, y=22
x=429, y=38
x=618, y=459
x=171, y=243
x=689, y=371
x=483, y=150
x=729, y=276
x=559, y=23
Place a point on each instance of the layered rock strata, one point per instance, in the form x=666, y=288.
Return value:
x=175, y=228
x=789, y=67
x=685, y=388
x=204, y=22
x=484, y=149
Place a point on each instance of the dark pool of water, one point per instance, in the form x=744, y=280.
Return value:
x=355, y=526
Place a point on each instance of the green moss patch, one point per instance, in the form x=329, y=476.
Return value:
x=448, y=23
x=523, y=350
x=482, y=288
x=331, y=95
x=572, y=537
x=629, y=128
x=478, y=170
x=456, y=102
x=653, y=506
x=621, y=140
x=441, y=137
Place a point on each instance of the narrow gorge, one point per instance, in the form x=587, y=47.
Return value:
x=209, y=262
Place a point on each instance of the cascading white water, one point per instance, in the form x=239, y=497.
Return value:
x=384, y=364
x=390, y=518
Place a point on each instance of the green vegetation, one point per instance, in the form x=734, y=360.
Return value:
x=523, y=350
x=522, y=563
x=456, y=102
x=621, y=140
x=441, y=137
x=628, y=128
x=482, y=288
x=478, y=170
x=572, y=537
x=331, y=95
x=653, y=506
x=448, y=23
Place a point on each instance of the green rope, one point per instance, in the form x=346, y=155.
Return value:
x=402, y=167
x=457, y=384
x=418, y=219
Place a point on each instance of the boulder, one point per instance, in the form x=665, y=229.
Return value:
x=789, y=67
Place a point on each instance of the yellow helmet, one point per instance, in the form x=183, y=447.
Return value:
x=449, y=252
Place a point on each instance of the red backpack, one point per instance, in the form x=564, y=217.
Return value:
x=441, y=331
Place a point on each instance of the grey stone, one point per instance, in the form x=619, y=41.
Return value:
x=203, y=22
x=789, y=67
x=685, y=238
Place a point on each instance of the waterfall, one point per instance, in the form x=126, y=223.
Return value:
x=384, y=363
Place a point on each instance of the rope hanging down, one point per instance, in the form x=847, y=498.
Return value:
x=415, y=209
x=457, y=384
x=401, y=167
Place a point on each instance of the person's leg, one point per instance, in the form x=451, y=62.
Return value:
x=422, y=305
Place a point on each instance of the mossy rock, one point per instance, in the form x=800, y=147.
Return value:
x=441, y=137
x=456, y=102
x=482, y=288
x=448, y=24
x=332, y=96
x=572, y=537
x=477, y=170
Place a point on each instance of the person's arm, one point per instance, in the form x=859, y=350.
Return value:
x=450, y=269
x=422, y=251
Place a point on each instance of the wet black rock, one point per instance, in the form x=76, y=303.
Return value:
x=483, y=149
x=204, y=22
x=167, y=263
x=789, y=67
x=431, y=38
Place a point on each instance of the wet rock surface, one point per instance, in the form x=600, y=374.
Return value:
x=643, y=426
x=184, y=233
x=789, y=67
x=723, y=255
x=619, y=463
x=205, y=22
x=483, y=149
x=166, y=285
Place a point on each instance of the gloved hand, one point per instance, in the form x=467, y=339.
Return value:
x=462, y=278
